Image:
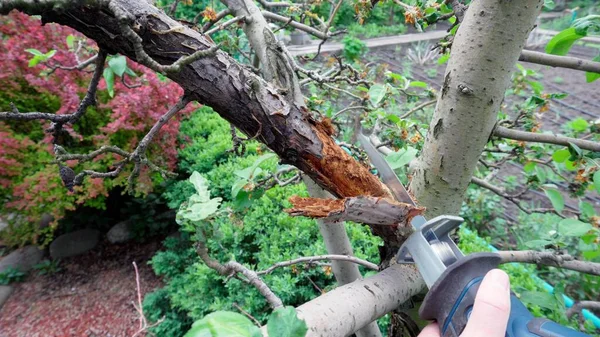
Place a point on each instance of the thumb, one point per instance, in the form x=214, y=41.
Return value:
x=491, y=308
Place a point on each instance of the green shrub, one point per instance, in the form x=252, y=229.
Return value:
x=353, y=48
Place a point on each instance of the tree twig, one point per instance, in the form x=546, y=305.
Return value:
x=550, y=259
x=233, y=267
x=559, y=61
x=503, y=132
x=578, y=306
x=311, y=259
x=417, y=108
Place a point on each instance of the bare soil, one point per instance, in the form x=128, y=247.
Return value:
x=92, y=296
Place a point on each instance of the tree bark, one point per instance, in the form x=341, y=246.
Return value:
x=344, y=310
x=484, y=52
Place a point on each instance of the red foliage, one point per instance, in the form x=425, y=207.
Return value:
x=123, y=120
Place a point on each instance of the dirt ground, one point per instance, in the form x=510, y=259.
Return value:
x=91, y=296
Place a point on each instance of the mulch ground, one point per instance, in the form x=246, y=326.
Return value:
x=92, y=296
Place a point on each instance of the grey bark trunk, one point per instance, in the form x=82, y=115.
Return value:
x=484, y=52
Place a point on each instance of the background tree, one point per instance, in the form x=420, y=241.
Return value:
x=271, y=108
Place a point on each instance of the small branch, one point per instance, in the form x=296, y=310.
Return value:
x=224, y=25
x=143, y=57
x=513, y=198
x=312, y=31
x=578, y=306
x=144, y=326
x=233, y=267
x=311, y=259
x=559, y=61
x=79, y=66
x=254, y=320
x=209, y=24
x=417, y=108
x=268, y=4
x=503, y=132
x=550, y=259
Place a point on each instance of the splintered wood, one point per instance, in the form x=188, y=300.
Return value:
x=367, y=210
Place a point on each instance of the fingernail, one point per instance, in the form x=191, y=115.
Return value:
x=499, y=277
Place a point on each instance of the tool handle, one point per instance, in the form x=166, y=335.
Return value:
x=450, y=301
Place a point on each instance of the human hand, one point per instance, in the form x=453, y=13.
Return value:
x=490, y=310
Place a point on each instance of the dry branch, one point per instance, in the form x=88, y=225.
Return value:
x=550, y=259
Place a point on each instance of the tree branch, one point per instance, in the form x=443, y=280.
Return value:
x=559, y=61
x=233, y=267
x=550, y=259
x=503, y=132
x=311, y=259
x=312, y=31
x=578, y=306
x=329, y=314
x=224, y=25
x=418, y=107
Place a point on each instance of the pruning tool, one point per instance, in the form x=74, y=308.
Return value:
x=452, y=277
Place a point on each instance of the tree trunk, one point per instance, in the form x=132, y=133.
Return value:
x=337, y=242
x=484, y=53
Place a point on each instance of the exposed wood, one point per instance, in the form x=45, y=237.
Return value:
x=367, y=210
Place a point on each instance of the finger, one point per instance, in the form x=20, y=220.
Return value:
x=491, y=308
x=432, y=330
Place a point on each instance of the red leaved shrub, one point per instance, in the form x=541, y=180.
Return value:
x=29, y=182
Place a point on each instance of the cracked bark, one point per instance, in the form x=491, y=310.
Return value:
x=484, y=52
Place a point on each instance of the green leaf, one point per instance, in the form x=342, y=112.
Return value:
x=118, y=64
x=573, y=227
x=571, y=165
x=579, y=124
x=34, y=61
x=561, y=155
x=596, y=179
x=202, y=210
x=549, y=4
x=537, y=244
x=377, y=93
x=392, y=118
x=417, y=84
x=537, y=87
x=130, y=72
x=590, y=76
x=443, y=59
x=70, y=41
x=563, y=41
x=224, y=324
x=529, y=167
x=402, y=157
x=201, y=186
x=35, y=52
x=237, y=186
x=587, y=209
x=109, y=78
x=539, y=298
x=576, y=152
x=591, y=254
x=284, y=322
x=249, y=172
x=541, y=174
x=555, y=198
x=586, y=24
